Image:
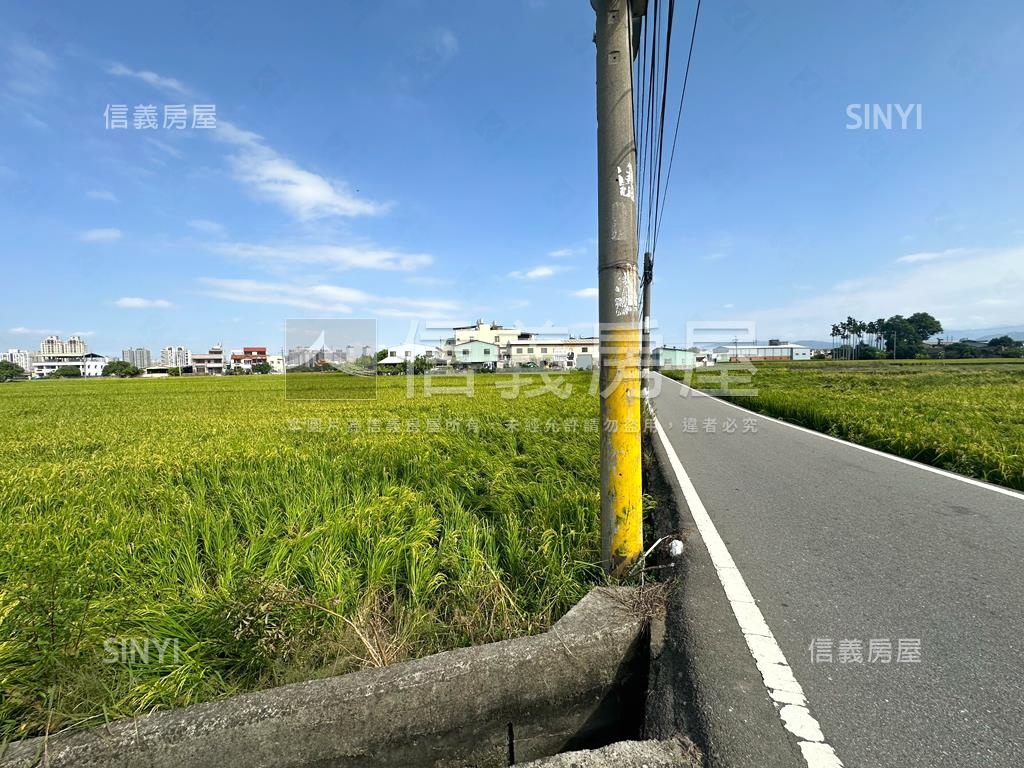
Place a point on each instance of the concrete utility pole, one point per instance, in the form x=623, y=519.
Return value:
x=618, y=287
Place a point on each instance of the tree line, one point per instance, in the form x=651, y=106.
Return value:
x=904, y=338
x=898, y=336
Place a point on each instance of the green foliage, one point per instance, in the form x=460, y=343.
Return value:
x=66, y=372
x=862, y=340
x=174, y=371
x=271, y=542
x=1003, y=341
x=262, y=367
x=9, y=370
x=120, y=368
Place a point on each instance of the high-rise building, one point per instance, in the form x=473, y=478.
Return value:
x=22, y=357
x=52, y=346
x=175, y=357
x=140, y=357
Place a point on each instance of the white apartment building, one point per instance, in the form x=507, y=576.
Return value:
x=555, y=353
x=409, y=352
x=175, y=357
x=23, y=357
x=90, y=364
x=52, y=346
x=140, y=357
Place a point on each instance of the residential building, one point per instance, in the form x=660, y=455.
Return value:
x=277, y=363
x=53, y=347
x=245, y=358
x=73, y=353
x=477, y=354
x=22, y=357
x=489, y=332
x=209, y=363
x=175, y=357
x=668, y=358
x=552, y=353
x=140, y=357
x=93, y=364
x=409, y=352
x=774, y=350
x=89, y=365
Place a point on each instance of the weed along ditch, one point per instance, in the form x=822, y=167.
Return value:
x=580, y=686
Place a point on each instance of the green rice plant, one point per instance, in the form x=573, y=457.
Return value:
x=164, y=542
x=967, y=417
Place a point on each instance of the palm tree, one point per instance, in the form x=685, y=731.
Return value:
x=872, y=329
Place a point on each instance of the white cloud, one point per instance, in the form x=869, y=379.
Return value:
x=23, y=331
x=566, y=253
x=206, y=226
x=979, y=289
x=150, y=78
x=326, y=298
x=333, y=256
x=102, y=235
x=586, y=293
x=445, y=44
x=35, y=122
x=101, y=194
x=542, y=271
x=27, y=74
x=134, y=302
x=304, y=194
x=914, y=258
x=728, y=306
x=163, y=146
x=267, y=174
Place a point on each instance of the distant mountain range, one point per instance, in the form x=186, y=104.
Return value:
x=1015, y=332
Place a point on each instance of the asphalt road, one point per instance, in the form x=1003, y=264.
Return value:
x=839, y=544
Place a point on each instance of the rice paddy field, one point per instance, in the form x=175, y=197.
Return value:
x=169, y=541
x=966, y=416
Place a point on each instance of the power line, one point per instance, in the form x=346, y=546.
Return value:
x=679, y=119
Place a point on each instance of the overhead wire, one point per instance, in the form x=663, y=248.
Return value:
x=679, y=119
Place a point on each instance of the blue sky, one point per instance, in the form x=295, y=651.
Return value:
x=422, y=161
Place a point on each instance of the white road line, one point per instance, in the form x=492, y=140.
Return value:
x=910, y=462
x=778, y=677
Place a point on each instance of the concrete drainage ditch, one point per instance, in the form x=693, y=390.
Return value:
x=582, y=685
